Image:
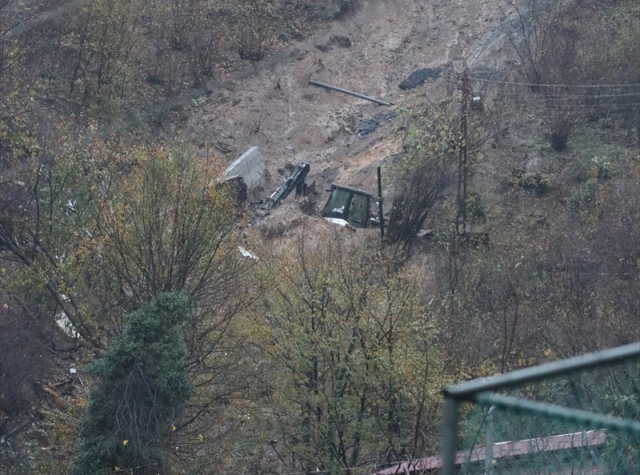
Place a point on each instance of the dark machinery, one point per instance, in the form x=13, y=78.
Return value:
x=349, y=204
x=295, y=182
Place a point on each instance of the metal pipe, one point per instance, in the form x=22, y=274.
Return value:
x=468, y=390
x=351, y=93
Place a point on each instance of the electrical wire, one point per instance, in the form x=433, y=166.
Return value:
x=561, y=102
x=559, y=105
x=525, y=84
x=552, y=97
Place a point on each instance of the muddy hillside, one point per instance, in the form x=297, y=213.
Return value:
x=403, y=52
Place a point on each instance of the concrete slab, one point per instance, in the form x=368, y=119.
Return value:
x=250, y=166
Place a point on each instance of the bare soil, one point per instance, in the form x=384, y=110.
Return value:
x=275, y=108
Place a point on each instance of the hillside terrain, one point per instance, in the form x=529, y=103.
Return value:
x=150, y=324
x=273, y=105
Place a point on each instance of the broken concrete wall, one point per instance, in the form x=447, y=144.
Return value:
x=250, y=166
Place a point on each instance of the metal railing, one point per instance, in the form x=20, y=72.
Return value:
x=485, y=392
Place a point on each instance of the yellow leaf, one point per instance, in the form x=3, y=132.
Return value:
x=201, y=437
x=125, y=442
x=117, y=469
x=173, y=428
x=547, y=352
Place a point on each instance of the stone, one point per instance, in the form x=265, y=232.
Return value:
x=419, y=77
x=368, y=126
x=342, y=41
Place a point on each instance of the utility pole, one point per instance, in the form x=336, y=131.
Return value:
x=461, y=219
x=380, y=205
x=465, y=104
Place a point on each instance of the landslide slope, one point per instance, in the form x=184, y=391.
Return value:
x=371, y=51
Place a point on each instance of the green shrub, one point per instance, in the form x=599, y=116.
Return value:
x=531, y=181
x=601, y=168
x=583, y=196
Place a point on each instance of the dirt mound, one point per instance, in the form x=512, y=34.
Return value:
x=288, y=223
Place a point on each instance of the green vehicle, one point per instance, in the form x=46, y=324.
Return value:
x=348, y=205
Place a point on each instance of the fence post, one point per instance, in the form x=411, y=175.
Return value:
x=450, y=433
x=380, y=206
x=488, y=441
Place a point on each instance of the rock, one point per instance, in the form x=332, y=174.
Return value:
x=308, y=205
x=342, y=41
x=368, y=126
x=224, y=147
x=418, y=78
x=228, y=85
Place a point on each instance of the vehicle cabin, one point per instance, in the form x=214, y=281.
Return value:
x=350, y=205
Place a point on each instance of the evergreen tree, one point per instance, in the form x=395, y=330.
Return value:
x=142, y=386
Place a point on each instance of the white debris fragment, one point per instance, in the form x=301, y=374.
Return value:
x=338, y=221
x=72, y=370
x=341, y=222
x=247, y=253
x=65, y=324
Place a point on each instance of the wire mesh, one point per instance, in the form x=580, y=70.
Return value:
x=585, y=422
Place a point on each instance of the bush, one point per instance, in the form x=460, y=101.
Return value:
x=341, y=338
x=475, y=207
x=601, y=168
x=253, y=24
x=531, y=181
x=423, y=172
x=583, y=196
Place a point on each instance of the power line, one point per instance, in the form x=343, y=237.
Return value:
x=553, y=85
x=574, y=100
x=553, y=97
x=559, y=105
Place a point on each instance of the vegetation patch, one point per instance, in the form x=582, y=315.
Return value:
x=535, y=182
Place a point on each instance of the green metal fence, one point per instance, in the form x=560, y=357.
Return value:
x=576, y=416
